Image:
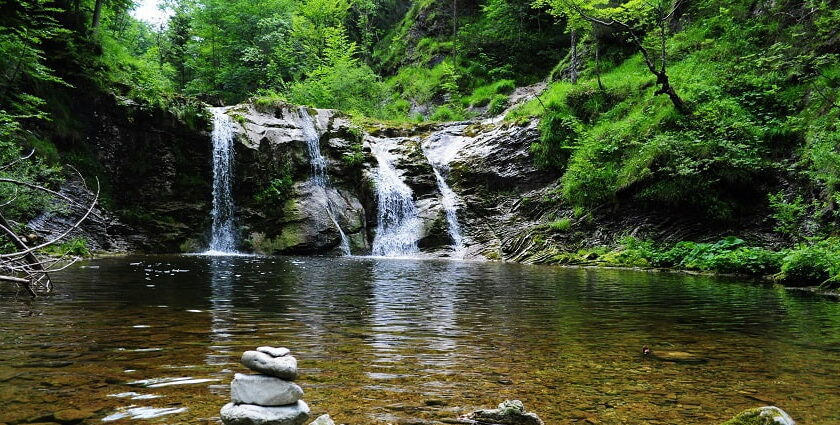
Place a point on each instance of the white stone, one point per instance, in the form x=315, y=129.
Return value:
x=282, y=367
x=324, y=419
x=274, y=351
x=779, y=416
x=263, y=390
x=249, y=414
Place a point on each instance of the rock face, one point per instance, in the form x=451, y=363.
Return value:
x=478, y=160
x=282, y=367
x=266, y=399
x=767, y=415
x=247, y=414
x=509, y=412
x=263, y=390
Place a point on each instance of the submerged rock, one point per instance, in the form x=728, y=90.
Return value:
x=282, y=367
x=677, y=357
x=274, y=351
x=263, y=390
x=324, y=419
x=767, y=415
x=249, y=414
x=509, y=412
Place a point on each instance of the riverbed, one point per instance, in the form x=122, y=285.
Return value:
x=156, y=339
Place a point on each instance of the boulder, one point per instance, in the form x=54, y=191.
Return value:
x=509, y=412
x=274, y=351
x=324, y=419
x=767, y=415
x=282, y=367
x=249, y=414
x=263, y=390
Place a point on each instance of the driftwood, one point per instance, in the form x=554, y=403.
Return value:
x=24, y=266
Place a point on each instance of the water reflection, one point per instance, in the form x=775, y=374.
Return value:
x=384, y=340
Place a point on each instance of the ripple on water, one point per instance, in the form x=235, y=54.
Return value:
x=134, y=412
x=370, y=334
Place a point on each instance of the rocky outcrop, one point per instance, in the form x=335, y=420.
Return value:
x=487, y=164
x=153, y=168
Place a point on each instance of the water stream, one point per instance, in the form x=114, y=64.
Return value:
x=398, y=226
x=439, y=149
x=319, y=171
x=223, y=232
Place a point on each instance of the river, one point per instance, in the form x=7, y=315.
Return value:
x=411, y=341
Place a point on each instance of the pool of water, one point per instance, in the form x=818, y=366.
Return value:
x=157, y=339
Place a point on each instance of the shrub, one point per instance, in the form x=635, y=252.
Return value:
x=561, y=225
x=559, y=134
x=498, y=104
x=811, y=264
x=279, y=189
x=788, y=215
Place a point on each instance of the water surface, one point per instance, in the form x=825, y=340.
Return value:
x=415, y=341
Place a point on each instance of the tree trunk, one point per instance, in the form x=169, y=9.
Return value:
x=598, y=66
x=97, y=13
x=666, y=88
x=573, y=66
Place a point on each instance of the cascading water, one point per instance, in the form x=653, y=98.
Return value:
x=319, y=170
x=223, y=234
x=439, y=150
x=398, y=226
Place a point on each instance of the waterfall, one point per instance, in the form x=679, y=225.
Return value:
x=398, y=226
x=319, y=170
x=223, y=236
x=439, y=150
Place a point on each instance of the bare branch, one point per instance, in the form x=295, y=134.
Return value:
x=63, y=235
x=23, y=158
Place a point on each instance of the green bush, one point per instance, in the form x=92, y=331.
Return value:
x=809, y=264
x=561, y=225
x=498, y=104
x=788, y=215
x=559, y=135
x=279, y=189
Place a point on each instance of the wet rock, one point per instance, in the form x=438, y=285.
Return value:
x=323, y=420
x=248, y=414
x=71, y=416
x=282, y=367
x=767, y=415
x=274, y=351
x=263, y=390
x=509, y=412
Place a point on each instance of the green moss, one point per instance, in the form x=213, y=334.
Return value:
x=751, y=417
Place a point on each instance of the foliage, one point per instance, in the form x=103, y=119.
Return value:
x=561, y=225
x=811, y=263
x=788, y=214
x=277, y=191
x=76, y=246
x=559, y=135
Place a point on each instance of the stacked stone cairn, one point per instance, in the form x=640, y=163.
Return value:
x=268, y=397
